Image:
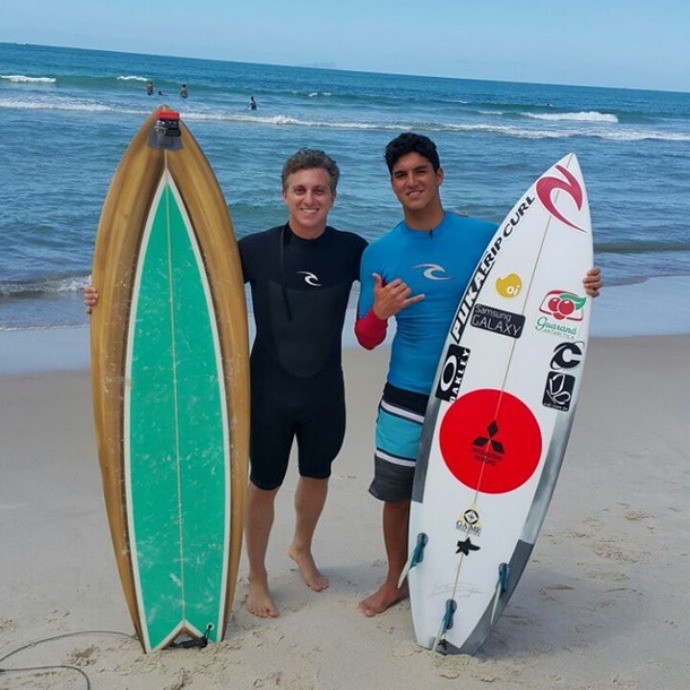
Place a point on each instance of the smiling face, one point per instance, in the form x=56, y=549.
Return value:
x=309, y=198
x=416, y=185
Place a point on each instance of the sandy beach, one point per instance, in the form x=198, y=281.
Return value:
x=603, y=604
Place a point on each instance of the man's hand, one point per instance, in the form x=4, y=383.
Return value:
x=90, y=298
x=391, y=298
x=592, y=282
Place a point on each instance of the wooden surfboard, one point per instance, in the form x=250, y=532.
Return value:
x=500, y=413
x=169, y=360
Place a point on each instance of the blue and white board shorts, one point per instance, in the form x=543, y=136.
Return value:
x=398, y=434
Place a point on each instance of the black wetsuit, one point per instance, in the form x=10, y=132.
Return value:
x=300, y=290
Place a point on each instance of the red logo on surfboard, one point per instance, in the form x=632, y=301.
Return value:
x=563, y=305
x=490, y=441
x=547, y=185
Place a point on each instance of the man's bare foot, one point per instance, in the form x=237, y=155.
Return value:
x=260, y=602
x=383, y=598
x=314, y=578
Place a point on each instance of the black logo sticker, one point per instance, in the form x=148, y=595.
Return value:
x=453, y=370
x=488, y=449
x=559, y=391
x=497, y=321
x=466, y=546
x=567, y=356
x=482, y=441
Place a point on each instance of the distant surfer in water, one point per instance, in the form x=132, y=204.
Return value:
x=252, y=103
x=183, y=91
x=449, y=249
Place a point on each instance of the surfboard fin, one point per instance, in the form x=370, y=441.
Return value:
x=195, y=642
x=446, y=622
x=501, y=587
x=417, y=556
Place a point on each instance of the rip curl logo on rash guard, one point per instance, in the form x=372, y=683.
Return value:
x=310, y=278
x=434, y=272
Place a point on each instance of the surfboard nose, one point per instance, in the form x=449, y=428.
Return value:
x=166, y=132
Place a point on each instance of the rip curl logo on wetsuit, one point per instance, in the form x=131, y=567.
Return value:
x=546, y=187
x=310, y=278
x=434, y=272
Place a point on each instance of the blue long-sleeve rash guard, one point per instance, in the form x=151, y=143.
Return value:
x=438, y=263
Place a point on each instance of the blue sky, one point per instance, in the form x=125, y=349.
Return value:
x=625, y=43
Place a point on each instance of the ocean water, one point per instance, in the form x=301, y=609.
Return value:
x=67, y=115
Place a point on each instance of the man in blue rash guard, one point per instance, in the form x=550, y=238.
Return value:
x=417, y=273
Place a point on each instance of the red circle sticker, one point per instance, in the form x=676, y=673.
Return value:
x=490, y=441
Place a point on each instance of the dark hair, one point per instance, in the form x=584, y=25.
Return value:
x=409, y=142
x=308, y=159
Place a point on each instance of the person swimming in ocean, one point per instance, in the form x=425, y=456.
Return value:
x=252, y=103
x=183, y=91
x=149, y=88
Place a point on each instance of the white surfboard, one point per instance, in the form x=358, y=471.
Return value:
x=500, y=414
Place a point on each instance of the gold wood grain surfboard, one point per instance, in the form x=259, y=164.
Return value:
x=170, y=377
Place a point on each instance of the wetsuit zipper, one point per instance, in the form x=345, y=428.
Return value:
x=284, y=237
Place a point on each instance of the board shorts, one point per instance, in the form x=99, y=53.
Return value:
x=398, y=434
x=318, y=426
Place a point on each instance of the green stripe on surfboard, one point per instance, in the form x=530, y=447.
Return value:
x=177, y=436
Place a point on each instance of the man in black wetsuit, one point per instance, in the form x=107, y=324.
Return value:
x=300, y=274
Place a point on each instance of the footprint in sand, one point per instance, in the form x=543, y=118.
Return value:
x=606, y=548
x=550, y=591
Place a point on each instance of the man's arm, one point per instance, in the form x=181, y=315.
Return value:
x=369, y=329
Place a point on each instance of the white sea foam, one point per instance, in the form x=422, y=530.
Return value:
x=609, y=135
x=642, y=134
x=132, y=77
x=584, y=116
x=23, y=79
x=283, y=120
x=504, y=130
x=66, y=105
x=508, y=131
x=556, y=132
x=56, y=285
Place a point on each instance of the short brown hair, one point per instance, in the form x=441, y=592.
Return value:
x=308, y=159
